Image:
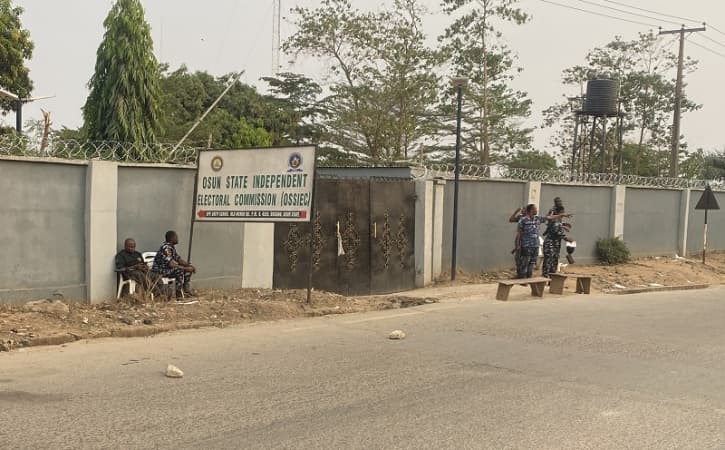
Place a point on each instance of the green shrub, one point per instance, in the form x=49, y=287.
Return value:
x=612, y=251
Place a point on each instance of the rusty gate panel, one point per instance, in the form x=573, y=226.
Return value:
x=374, y=252
x=292, y=244
x=392, y=218
x=337, y=202
x=353, y=216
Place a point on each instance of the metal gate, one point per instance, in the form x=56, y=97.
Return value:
x=362, y=239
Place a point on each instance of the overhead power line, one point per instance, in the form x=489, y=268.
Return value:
x=629, y=12
x=713, y=40
x=600, y=14
x=653, y=12
x=714, y=52
x=713, y=28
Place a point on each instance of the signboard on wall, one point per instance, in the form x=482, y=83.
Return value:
x=255, y=185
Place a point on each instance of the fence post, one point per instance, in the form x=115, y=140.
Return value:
x=101, y=230
x=258, y=255
x=616, y=221
x=423, y=233
x=532, y=193
x=439, y=189
x=684, y=222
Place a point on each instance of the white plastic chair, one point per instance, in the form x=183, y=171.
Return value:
x=121, y=283
x=148, y=258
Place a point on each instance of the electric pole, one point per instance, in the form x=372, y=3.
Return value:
x=675, y=152
x=276, y=35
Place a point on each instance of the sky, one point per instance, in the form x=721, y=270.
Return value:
x=221, y=36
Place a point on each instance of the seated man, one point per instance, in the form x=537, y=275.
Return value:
x=130, y=264
x=169, y=264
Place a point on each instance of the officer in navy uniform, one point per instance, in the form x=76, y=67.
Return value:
x=169, y=264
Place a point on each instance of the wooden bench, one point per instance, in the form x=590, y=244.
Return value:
x=583, y=282
x=537, y=286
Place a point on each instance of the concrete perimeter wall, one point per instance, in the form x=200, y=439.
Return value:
x=650, y=221
x=592, y=209
x=485, y=237
x=153, y=200
x=64, y=221
x=696, y=222
x=43, y=231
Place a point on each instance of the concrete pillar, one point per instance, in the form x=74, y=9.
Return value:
x=257, y=255
x=532, y=193
x=439, y=190
x=684, y=222
x=101, y=223
x=616, y=221
x=423, y=233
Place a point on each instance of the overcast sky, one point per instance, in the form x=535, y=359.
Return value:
x=221, y=36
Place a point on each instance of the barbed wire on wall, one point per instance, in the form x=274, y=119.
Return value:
x=473, y=172
x=12, y=145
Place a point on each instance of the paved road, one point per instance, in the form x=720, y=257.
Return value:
x=640, y=371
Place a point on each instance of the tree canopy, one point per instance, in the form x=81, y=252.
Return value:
x=123, y=104
x=15, y=49
x=381, y=76
x=643, y=67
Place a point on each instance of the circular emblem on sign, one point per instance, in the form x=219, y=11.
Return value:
x=217, y=163
x=295, y=162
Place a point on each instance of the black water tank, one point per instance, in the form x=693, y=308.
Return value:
x=601, y=98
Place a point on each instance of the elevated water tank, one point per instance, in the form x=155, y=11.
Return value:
x=601, y=99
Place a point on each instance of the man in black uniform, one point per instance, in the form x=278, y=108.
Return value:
x=130, y=264
x=169, y=264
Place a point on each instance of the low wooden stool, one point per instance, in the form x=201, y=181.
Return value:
x=583, y=282
x=537, y=286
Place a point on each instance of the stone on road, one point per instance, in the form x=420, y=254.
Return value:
x=174, y=372
x=397, y=334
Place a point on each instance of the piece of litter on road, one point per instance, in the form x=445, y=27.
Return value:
x=655, y=285
x=174, y=372
x=397, y=334
x=186, y=302
x=619, y=286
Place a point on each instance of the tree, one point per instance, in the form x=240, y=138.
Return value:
x=185, y=96
x=15, y=48
x=704, y=166
x=123, y=104
x=532, y=159
x=643, y=67
x=382, y=80
x=493, y=110
x=251, y=135
x=297, y=98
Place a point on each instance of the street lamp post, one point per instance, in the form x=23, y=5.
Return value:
x=19, y=106
x=459, y=83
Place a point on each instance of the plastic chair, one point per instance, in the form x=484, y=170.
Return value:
x=121, y=283
x=148, y=258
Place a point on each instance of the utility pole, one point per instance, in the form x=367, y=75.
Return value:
x=458, y=83
x=276, y=35
x=675, y=152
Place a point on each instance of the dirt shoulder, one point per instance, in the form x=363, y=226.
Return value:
x=654, y=272
x=48, y=323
